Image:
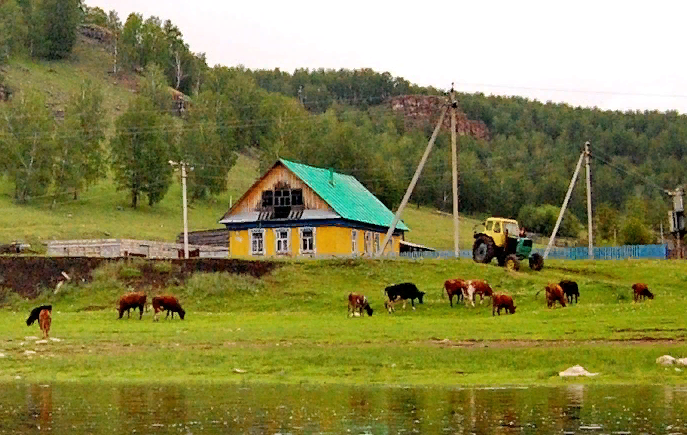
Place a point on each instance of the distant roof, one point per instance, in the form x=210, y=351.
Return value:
x=350, y=199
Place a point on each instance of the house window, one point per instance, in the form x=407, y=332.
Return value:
x=267, y=197
x=376, y=242
x=354, y=241
x=282, y=240
x=257, y=242
x=297, y=197
x=368, y=242
x=307, y=240
x=282, y=198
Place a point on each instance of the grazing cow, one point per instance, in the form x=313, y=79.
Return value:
x=168, y=303
x=641, y=291
x=554, y=293
x=132, y=300
x=44, y=317
x=476, y=286
x=358, y=303
x=570, y=289
x=402, y=292
x=455, y=287
x=502, y=301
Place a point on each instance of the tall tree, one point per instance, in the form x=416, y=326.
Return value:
x=115, y=25
x=13, y=29
x=58, y=21
x=80, y=155
x=27, y=145
x=204, y=150
x=131, y=41
x=154, y=87
x=140, y=155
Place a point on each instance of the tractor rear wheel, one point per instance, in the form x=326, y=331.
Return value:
x=483, y=250
x=536, y=262
x=512, y=263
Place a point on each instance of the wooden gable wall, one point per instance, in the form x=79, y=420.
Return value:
x=252, y=201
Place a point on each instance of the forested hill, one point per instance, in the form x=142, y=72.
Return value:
x=525, y=159
x=516, y=155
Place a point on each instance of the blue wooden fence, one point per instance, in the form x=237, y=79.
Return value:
x=582, y=253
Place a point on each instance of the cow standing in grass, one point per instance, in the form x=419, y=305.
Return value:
x=169, y=304
x=499, y=302
x=455, y=287
x=44, y=316
x=357, y=303
x=641, y=291
x=570, y=289
x=476, y=287
x=400, y=293
x=554, y=293
x=130, y=301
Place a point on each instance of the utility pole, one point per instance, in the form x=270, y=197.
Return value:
x=454, y=170
x=565, y=204
x=409, y=191
x=589, y=200
x=184, y=204
x=677, y=216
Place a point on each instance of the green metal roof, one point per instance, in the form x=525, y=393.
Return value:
x=350, y=199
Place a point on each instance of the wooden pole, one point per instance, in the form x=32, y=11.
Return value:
x=183, y=195
x=565, y=204
x=454, y=170
x=589, y=200
x=409, y=191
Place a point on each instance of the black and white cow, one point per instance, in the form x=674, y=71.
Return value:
x=400, y=293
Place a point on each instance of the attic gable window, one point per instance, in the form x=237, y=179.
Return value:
x=279, y=202
x=297, y=197
x=267, y=198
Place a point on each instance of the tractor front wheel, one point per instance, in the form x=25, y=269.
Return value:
x=536, y=262
x=483, y=250
x=512, y=263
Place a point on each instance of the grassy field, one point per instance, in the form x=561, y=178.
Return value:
x=291, y=326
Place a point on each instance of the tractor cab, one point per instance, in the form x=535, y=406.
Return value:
x=500, y=238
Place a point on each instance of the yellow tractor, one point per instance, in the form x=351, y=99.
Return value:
x=501, y=238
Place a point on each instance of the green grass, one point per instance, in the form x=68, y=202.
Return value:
x=58, y=81
x=104, y=212
x=291, y=326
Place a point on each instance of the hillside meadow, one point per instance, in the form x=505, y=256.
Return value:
x=291, y=326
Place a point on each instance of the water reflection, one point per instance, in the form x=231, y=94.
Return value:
x=256, y=409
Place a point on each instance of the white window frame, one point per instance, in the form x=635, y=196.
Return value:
x=367, y=238
x=283, y=251
x=376, y=242
x=252, y=233
x=300, y=240
x=354, y=241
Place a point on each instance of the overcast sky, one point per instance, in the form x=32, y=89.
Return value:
x=609, y=54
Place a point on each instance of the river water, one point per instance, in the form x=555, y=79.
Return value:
x=306, y=409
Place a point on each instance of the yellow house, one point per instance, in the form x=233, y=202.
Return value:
x=299, y=210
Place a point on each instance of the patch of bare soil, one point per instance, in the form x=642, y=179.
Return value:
x=499, y=344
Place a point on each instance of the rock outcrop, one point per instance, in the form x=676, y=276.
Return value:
x=419, y=110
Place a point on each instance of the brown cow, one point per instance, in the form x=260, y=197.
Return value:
x=44, y=321
x=502, y=301
x=358, y=303
x=132, y=300
x=455, y=287
x=476, y=286
x=554, y=293
x=44, y=317
x=641, y=291
x=168, y=303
